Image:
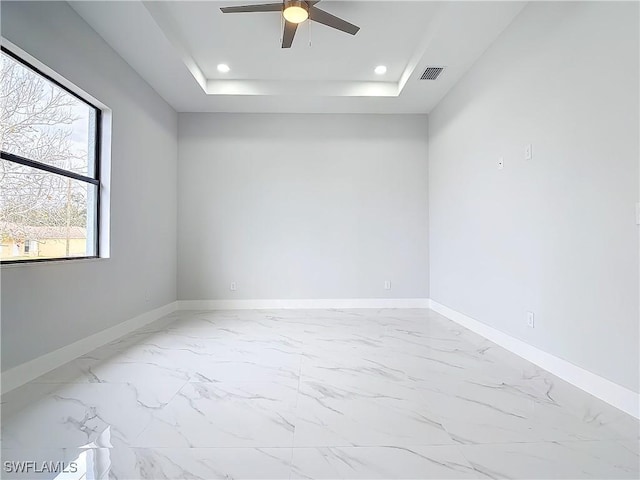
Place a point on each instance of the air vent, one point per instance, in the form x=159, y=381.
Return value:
x=431, y=73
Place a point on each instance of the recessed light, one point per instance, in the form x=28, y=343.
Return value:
x=223, y=68
x=380, y=70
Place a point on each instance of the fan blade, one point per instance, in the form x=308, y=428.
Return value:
x=332, y=21
x=265, y=7
x=288, y=34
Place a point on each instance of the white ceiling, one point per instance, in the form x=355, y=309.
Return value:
x=176, y=46
x=250, y=41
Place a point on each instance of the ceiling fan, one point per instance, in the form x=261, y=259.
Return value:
x=294, y=13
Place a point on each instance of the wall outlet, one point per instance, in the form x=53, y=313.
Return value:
x=387, y=284
x=232, y=286
x=500, y=163
x=531, y=320
x=528, y=152
x=638, y=213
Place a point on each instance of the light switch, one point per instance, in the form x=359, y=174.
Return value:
x=531, y=320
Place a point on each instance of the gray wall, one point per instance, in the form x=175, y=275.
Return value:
x=45, y=307
x=302, y=206
x=555, y=235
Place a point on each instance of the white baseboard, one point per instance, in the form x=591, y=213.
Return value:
x=606, y=390
x=275, y=304
x=24, y=373
x=620, y=397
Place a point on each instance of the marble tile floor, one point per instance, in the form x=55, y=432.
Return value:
x=324, y=394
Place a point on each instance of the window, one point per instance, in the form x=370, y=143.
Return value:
x=49, y=173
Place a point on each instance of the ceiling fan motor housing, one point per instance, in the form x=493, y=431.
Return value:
x=295, y=3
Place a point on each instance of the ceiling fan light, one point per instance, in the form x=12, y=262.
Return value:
x=295, y=12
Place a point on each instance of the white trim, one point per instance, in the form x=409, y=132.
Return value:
x=27, y=57
x=68, y=261
x=275, y=304
x=612, y=393
x=24, y=373
x=620, y=397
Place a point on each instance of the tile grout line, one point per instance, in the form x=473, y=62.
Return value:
x=295, y=415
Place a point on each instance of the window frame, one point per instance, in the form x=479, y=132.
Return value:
x=60, y=171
